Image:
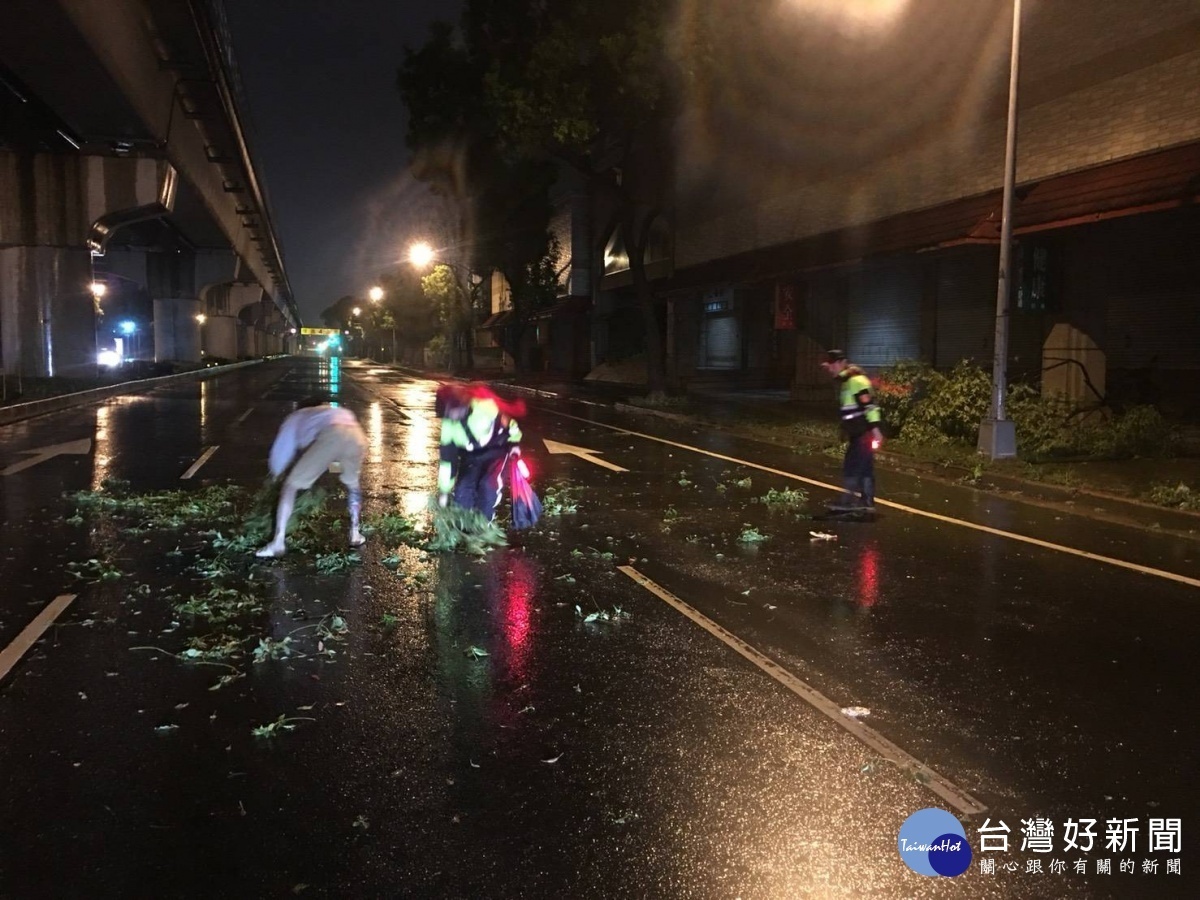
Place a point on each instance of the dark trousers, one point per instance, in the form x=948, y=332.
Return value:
x=480, y=482
x=858, y=469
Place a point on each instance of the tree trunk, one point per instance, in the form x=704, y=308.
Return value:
x=656, y=376
x=516, y=335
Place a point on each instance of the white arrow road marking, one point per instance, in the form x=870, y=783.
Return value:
x=582, y=452
x=195, y=467
x=947, y=790
x=41, y=454
x=34, y=630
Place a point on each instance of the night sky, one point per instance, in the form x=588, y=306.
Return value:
x=328, y=132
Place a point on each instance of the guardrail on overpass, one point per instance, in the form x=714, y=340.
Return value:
x=20, y=411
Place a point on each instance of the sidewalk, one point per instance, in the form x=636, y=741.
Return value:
x=1112, y=490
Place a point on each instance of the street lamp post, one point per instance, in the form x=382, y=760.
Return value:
x=201, y=318
x=997, y=433
x=97, y=289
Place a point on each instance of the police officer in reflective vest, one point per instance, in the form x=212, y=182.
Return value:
x=479, y=436
x=860, y=424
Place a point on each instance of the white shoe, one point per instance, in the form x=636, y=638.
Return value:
x=271, y=551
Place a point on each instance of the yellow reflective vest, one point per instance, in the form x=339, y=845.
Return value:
x=858, y=410
x=482, y=428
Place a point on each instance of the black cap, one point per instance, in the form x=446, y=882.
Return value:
x=835, y=356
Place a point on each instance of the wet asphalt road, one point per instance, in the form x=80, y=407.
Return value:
x=638, y=756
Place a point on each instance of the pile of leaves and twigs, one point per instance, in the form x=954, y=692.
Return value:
x=217, y=602
x=1177, y=496
x=160, y=509
x=238, y=521
x=925, y=407
x=456, y=527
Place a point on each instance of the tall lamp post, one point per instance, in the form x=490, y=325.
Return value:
x=97, y=289
x=201, y=318
x=997, y=433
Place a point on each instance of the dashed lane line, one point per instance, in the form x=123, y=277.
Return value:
x=938, y=517
x=944, y=788
x=195, y=467
x=243, y=417
x=12, y=654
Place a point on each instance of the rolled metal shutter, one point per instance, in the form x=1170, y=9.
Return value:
x=722, y=343
x=966, y=306
x=883, y=323
x=1153, y=311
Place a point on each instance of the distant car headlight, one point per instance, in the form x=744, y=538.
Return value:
x=109, y=358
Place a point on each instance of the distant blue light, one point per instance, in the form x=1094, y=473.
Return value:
x=128, y=327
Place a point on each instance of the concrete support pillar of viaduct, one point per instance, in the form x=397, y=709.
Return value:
x=64, y=207
x=231, y=311
x=177, y=330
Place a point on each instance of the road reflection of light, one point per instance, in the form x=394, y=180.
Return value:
x=335, y=374
x=415, y=502
x=375, y=432
x=419, y=439
x=520, y=586
x=102, y=458
x=204, y=387
x=868, y=577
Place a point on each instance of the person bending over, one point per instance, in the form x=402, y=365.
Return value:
x=322, y=435
x=479, y=435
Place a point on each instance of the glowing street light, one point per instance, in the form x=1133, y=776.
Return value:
x=420, y=254
x=201, y=318
x=127, y=327
x=357, y=311
x=98, y=289
x=375, y=293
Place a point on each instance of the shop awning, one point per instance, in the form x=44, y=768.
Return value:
x=497, y=320
x=567, y=307
x=1154, y=181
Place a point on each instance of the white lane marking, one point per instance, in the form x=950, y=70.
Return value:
x=195, y=467
x=556, y=448
x=32, y=632
x=950, y=520
x=947, y=790
x=41, y=454
x=243, y=417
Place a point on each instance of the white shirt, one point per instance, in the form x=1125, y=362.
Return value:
x=300, y=429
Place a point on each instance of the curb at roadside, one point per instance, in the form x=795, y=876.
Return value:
x=18, y=412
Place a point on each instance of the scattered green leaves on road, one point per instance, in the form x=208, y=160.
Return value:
x=752, y=536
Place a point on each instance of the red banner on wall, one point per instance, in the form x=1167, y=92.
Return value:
x=785, y=307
